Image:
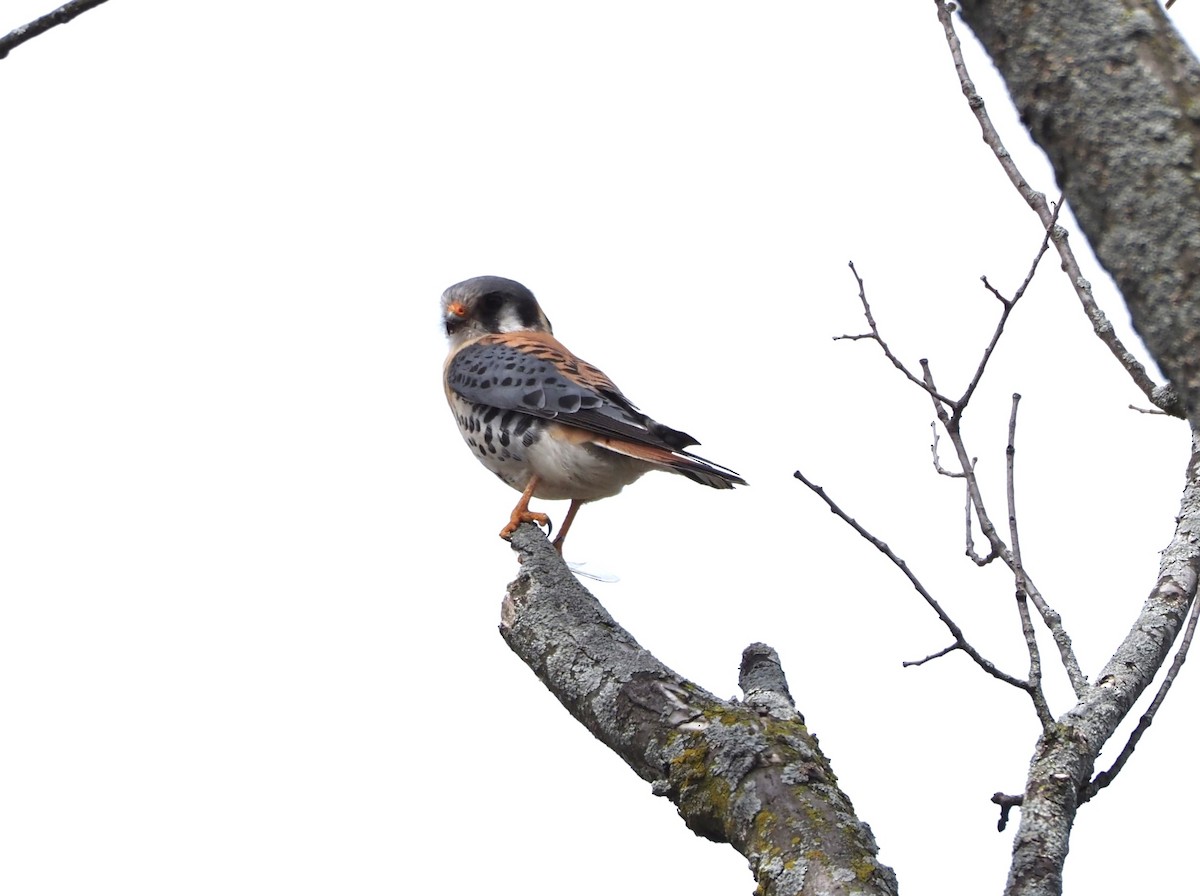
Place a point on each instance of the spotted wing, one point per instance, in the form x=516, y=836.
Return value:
x=534, y=373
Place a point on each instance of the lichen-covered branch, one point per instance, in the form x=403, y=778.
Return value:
x=1109, y=91
x=59, y=16
x=748, y=774
x=1105, y=778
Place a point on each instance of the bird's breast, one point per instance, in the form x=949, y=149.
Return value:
x=516, y=446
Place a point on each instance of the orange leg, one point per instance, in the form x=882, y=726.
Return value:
x=522, y=514
x=566, y=524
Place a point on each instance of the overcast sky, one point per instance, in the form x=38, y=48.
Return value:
x=249, y=574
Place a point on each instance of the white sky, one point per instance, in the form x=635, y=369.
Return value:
x=249, y=575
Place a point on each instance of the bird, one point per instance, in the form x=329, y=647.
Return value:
x=546, y=422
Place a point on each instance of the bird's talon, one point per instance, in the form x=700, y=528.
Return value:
x=523, y=516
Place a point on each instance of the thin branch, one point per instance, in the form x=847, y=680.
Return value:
x=1035, y=657
x=976, y=558
x=1010, y=455
x=1050, y=616
x=953, y=429
x=949, y=412
x=937, y=464
x=875, y=337
x=1163, y=397
x=1064, y=761
x=933, y=656
x=60, y=16
x=1105, y=778
x=960, y=641
x=956, y=405
x=1006, y=802
x=1009, y=305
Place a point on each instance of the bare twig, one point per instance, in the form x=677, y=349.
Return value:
x=1051, y=617
x=1058, y=631
x=875, y=337
x=1163, y=397
x=976, y=558
x=960, y=641
x=1105, y=778
x=1010, y=455
x=1009, y=305
x=1006, y=803
x=1035, y=658
x=937, y=464
x=933, y=656
x=957, y=406
x=60, y=16
x=953, y=429
x=949, y=412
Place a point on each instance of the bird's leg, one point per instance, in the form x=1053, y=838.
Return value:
x=522, y=514
x=566, y=524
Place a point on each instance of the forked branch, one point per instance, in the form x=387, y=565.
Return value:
x=1162, y=397
x=949, y=412
x=960, y=640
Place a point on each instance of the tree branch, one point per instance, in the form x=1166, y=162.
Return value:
x=875, y=337
x=1049, y=615
x=1007, y=803
x=949, y=412
x=748, y=774
x=1103, y=779
x=1061, y=769
x=1023, y=586
x=60, y=16
x=960, y=641
x=1008, y=305
x=1090, y=77
x=1163, y=397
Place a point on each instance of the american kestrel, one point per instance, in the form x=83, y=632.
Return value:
x=546, y=422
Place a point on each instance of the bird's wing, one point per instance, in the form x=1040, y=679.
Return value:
x=534, y=373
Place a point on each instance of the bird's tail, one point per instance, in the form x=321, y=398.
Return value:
x=694, y=467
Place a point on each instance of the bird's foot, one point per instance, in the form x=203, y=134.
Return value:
x=524, y=516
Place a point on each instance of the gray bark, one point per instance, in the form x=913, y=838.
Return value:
x=1111, y=93
x=746, y=773
x=1064, y=761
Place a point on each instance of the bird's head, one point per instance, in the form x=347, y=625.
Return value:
x=484, y=305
